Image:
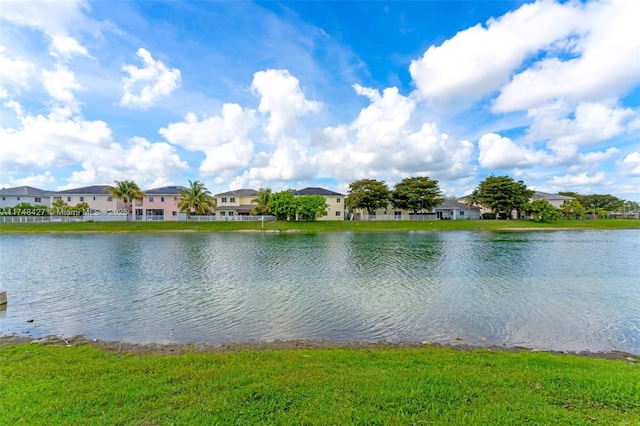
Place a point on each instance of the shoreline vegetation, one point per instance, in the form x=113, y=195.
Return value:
x=71, y=381
x=320, y=226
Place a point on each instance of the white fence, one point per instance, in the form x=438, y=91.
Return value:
x=230, y=218
x=397, y=217
x=42, y=219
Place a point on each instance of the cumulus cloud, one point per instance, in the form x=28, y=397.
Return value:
x=145, y=86
x=606, y=62
x=44, y=180
x=383, y=142
x=60, y=84
x=282, y=98
x=479, y=60
x=498, y=152
x=148, y=164
x=579, y=180
x=14, y=74
x=224, y=139
x=631, y=164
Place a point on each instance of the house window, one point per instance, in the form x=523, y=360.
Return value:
x=109, y=198
x=162, y=199
x=175, y=198
x=81, y=199
x=174, y=213
x=462, y=213
x=223, y=213
x=38, y=200
x=337, y=214
x=230, y=213
x=151, y=199
x=94, y=198
x=325, y=214
x=69, y=199
x=224, y=199
x=232, y=200
x=337, y=200
x=18, y=198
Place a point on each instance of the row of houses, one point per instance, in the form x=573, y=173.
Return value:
x=162, y=203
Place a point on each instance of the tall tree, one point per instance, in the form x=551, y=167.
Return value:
x=196, y=199
x=572, y=209
x=502, y=194
x=368, y=194
x=127, y=191
x=542, y=211
x=262, y=200
x=283, y=205
x=416, y=194
x=311, y=207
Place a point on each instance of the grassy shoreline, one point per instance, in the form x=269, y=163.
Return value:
x=43, y=384
x=337, y=226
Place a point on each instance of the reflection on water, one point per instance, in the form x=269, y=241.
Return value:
x=559, y=290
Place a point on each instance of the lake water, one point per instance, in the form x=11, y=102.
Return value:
x=560, y=290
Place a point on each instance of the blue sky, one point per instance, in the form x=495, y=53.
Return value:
x=292, y=94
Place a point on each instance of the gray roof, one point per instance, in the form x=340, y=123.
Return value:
x=450, y=204
x=316, y=191
x=546, y=196
x=165, y=190
x=239, y=193
x=26, y=191
x=93, y=190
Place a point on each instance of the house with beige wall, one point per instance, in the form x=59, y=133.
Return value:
x=98, y=197
x=238, y=202
x=334, y=200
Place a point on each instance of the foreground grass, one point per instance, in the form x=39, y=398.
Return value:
x=83, y=385
x=440, y=225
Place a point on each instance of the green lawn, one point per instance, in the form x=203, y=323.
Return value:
x=51, y=385
x=328, y=226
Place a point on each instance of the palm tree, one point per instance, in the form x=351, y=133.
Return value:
x=262, y=200
x=196, y=199
x=127, y=191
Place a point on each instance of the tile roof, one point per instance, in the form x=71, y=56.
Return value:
x=547, y=196
x=239, y=193
x=165, y=190
x=93, y=190
x=316, y=191
x=27, y=191
x=450, y=204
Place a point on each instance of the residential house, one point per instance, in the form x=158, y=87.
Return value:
x=555, y=200
x=235, y=203
x=334, y=200
x=454, y=210
x=10, y=197
x=98, y=197
x=159, y=204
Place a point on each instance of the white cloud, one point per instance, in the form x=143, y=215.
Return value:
x=52, y=17
x=498, y=152
x=146, y=85
x=566, y=129
x=281, y=97
x=631, y=165
x=598, y=157
x=14, y=74
x=478, y=60
x=60, y=83
x=45, y=180
x=386, y=145
x=224, y=139
x=607, y=45
x=64, y=47
x=579, y=180
x=148, y=164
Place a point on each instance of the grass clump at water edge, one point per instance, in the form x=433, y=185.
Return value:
x=84, y=385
